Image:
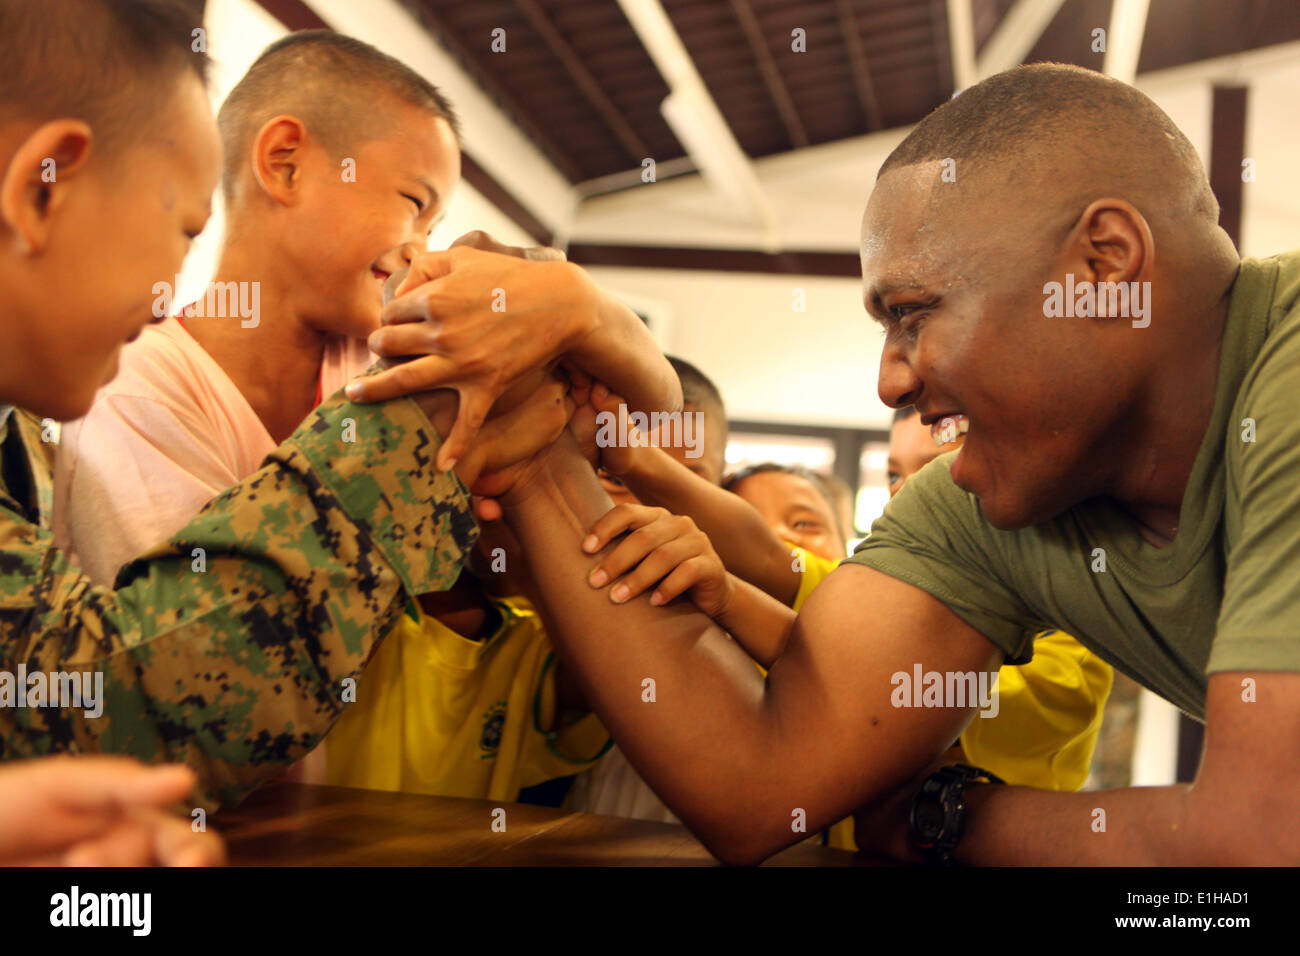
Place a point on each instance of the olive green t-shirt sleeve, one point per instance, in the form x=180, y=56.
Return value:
x=933, y=537
x=1259, y=620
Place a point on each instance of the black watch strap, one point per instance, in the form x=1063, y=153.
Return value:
x=938, y=814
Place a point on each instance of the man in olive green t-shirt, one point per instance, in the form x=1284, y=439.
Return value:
x=1166, y=613
x=1044, y=254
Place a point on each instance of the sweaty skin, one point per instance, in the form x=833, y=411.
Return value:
x=1059, y=412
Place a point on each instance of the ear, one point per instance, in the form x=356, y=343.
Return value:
x=278, y=157
x=39, y=179
x=1115, y=240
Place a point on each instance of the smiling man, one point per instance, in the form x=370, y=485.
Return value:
x=1132, y=484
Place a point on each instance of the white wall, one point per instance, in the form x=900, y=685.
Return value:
x=770, y=362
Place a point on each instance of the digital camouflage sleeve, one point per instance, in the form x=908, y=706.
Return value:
x=226, y=648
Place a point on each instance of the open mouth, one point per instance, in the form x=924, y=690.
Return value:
x=948, y=428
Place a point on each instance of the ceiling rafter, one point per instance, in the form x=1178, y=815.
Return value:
x=585, y=82
x=942, y=49
x=961, y=42
x=1016, y=34
x=862, y=84
x=447, y=37
x=767, y=68
x=1128, y=25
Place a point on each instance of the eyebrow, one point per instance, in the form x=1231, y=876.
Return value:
x=796, y=506
x=871, y=299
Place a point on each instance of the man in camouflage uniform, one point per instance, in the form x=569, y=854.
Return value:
x=227, y=647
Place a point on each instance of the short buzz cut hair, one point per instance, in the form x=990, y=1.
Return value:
x=1014, y=113
x=698, y=390
x=824, y=485
x=100, y=61
x=330, y=82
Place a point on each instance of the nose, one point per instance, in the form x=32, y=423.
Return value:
x=413, y=245
x=898, y=385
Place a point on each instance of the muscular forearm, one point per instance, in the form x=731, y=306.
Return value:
x=747, y=546
x=759, y=622
x=684, y=702
x=1137, y=826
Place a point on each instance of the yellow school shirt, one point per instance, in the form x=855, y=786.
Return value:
x=441, y=714
x=1049, y=712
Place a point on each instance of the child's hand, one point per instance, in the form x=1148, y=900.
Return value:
x=615, y=458
x=664, y=548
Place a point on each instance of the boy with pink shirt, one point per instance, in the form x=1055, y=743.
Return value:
x=202, y=398
x=169, y=433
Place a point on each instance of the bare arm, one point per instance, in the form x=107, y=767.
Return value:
x=1240, y=810
x=759, y=622
x=736, y=758
x=747, y=546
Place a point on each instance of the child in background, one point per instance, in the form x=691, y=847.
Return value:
x=798, y=505
x=201, y=399
x=466, y=699
x=1049, y=709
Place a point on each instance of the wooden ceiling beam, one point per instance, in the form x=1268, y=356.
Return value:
x=790, y=262
x=521, y=116
x=776, y=88
x=1015, y=36
x=942, y=46
x=862, y=84
x=582, y=78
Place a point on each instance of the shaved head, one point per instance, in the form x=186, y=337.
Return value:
x=1038, y=178
x=1075, y=130
x=701, y=394
x=344, y=91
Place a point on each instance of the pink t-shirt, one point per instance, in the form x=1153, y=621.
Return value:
x=161, y=440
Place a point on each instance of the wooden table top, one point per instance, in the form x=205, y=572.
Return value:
x=295, y=824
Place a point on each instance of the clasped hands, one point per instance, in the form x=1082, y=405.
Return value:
x=484, y=336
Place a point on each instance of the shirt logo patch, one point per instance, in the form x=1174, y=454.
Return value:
x=494, y=722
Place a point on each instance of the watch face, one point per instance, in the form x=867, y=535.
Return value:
x=929, y=817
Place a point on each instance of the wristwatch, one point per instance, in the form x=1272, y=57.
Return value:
x=938, y=811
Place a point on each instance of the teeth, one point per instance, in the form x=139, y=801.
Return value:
x=947, y=429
